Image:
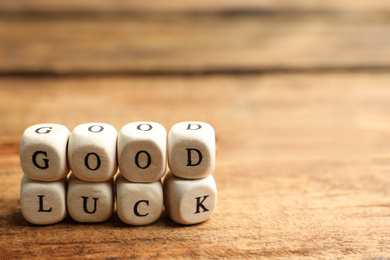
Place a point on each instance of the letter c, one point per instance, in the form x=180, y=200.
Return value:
x=136, y=208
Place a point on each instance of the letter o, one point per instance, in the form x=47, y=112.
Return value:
x=150, y=127
x=137, y=160
x=101, y=128
x=86, y=161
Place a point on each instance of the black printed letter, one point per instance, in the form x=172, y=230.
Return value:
x=200, y=205
x=136, y=208
x=34, y=159
x=148, y=129
x=196, y=125
x=46, y=132
x=41, y=204
x=85, y=205
x=97, y=161
x=189, y=157
x=101, y=128
x=137, y=160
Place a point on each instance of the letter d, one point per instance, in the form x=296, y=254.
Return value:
x=189, y=158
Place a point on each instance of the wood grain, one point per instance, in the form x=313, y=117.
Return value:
x=302, y=164
x=194, y=44
x=74, y=6
x=297, y=91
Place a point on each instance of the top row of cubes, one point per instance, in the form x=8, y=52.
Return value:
x=93, y=151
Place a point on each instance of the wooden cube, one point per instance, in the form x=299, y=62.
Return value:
x=138, y=203
x=189, y=201
x=42, y=202
x=92, y=152
x=191, y=150
x=142, y=151
x=43, y=152
x=90, y=201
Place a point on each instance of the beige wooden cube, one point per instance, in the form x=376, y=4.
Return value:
x=142, y=151
x=191, y=150
x=138, y=203
x=43, y=152
x=90, y=201
x=189, y=201
x=92, y=152
x=42, y=202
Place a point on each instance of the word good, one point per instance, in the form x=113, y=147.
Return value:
x=93, y=153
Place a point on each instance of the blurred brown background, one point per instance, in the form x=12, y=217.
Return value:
x=297, y=91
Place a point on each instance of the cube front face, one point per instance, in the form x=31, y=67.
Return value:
x=92, y=152
x=88, y=201
x=43, y=203
x=189, y=201
x=43, y=150
x=142, y=151
x=198, y=204
x=139, y=203
x=191, y=150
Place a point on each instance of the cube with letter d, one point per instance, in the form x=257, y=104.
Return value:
x=191, y=150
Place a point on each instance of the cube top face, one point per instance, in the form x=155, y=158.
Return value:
x=142, y=151
x=189, y=201
x=139, y=203
x=92, y=152
x=43, y=154
x=43, y=203
x=90, y=201
x=191, y=150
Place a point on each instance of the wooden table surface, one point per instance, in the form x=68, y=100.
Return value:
x=297, y=91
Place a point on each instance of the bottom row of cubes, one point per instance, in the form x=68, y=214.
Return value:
x=185, y=201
